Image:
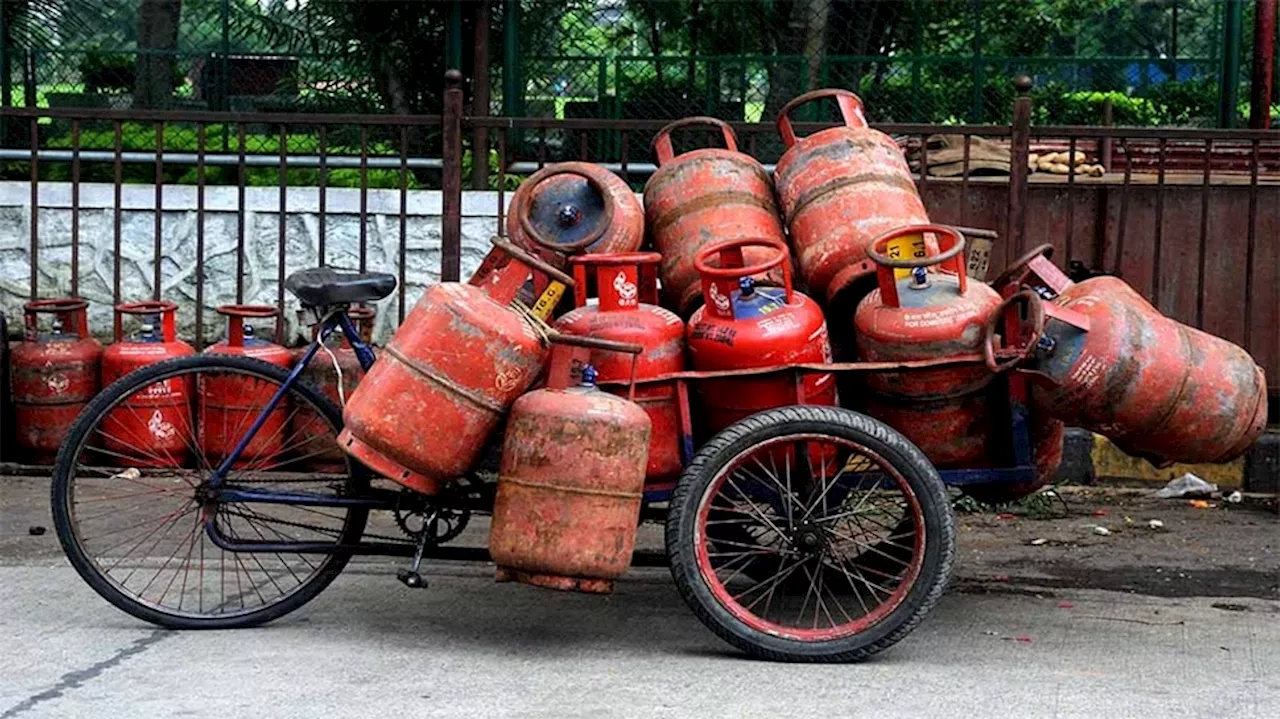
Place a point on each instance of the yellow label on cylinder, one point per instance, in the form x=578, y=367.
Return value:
x=906, y=247
x=547, y=302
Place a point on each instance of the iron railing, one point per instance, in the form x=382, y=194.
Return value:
x=1190, y=217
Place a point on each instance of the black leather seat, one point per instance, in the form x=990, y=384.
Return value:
x=320, y=286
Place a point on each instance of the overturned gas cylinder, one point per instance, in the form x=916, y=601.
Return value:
x=439, y=389
x=1108, y=361
x=574, y=207
x=570, y=486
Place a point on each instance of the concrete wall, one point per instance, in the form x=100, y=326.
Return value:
x=261, y=237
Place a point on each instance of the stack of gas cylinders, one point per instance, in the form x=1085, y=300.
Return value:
x=60, y=367
x=595, y=394
x=728, y=267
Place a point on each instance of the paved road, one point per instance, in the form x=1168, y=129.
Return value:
x=469, y=648
x=1016, y=638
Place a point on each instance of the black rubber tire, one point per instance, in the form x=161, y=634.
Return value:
x=71, y=447
x=922, y=478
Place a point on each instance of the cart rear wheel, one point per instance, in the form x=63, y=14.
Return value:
x=851, y=535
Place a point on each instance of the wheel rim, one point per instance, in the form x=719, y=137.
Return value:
x=137, y=509
x=839, y=529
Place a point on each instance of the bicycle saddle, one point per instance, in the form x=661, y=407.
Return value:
x=321, y=286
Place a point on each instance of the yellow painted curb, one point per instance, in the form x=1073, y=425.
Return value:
x=1111, y=463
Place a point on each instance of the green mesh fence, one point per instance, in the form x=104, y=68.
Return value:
x=910, y=60
x=1158, y=61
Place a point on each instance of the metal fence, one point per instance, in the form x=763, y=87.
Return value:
x=1190, y=217
x=1159, y=62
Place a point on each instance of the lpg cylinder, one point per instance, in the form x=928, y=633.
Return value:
x=627, y=312
x=705, y=196
x=570, y=486
x=311, y=431
x=742, y=326
x=155, y=422
x=53, y=375
x=840, y=189
x=574, y=207
x=918, y=314
x=1110, y=362
x=422, y=414
x=229, y=405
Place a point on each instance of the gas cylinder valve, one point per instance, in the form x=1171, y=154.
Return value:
x=568, y=216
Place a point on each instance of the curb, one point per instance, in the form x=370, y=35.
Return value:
x=1088, y=458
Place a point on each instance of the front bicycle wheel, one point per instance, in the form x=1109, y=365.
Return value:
x=810, y=534
x=131, y=498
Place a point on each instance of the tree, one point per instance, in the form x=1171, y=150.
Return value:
x=157, y=43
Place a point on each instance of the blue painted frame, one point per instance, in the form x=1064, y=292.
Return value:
x=375, y=500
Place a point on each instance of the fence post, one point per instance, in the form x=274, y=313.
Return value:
x=480, y=98
x=1105, y=148
x=1228, y=83
x=451, y=180
x=1264, y=47
x=1019, y=148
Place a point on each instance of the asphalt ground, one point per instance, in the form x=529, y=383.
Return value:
x=1015, y=637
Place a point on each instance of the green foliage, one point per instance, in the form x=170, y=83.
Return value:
x=468, y=159
x=136, y=137
x=1186, y=103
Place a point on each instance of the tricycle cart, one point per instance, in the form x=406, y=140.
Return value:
x=803, y=533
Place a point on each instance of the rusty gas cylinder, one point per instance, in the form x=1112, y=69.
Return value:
x=1106, y=360
x=840, y=189
x=155, y=422
x=701, y=197
x=53, y=374
x=743, y=326
x=336, y=374
x=422, y=414
x=627, y=312
x=918, y=314
x=570, y=485
x=572, y=208
x=229, y=404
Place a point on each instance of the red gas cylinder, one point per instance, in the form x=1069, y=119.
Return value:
x=574, y=207
x=570, y=486
x=52, y=376
x=705, y=196
x=422, y=414
x=155, y=423
x=229, y=405
x=741, y=326
x=840, y=189
x=311, y=431
x=628, y=288
x=918, y=314
x=1108, y=361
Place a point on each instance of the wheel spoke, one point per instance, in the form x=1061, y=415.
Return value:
x=807, y=536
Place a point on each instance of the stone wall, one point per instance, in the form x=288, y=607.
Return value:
x=261, y=238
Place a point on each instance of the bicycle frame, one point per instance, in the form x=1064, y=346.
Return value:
x=374, y=499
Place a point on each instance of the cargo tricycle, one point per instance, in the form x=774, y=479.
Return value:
x=795, y=528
